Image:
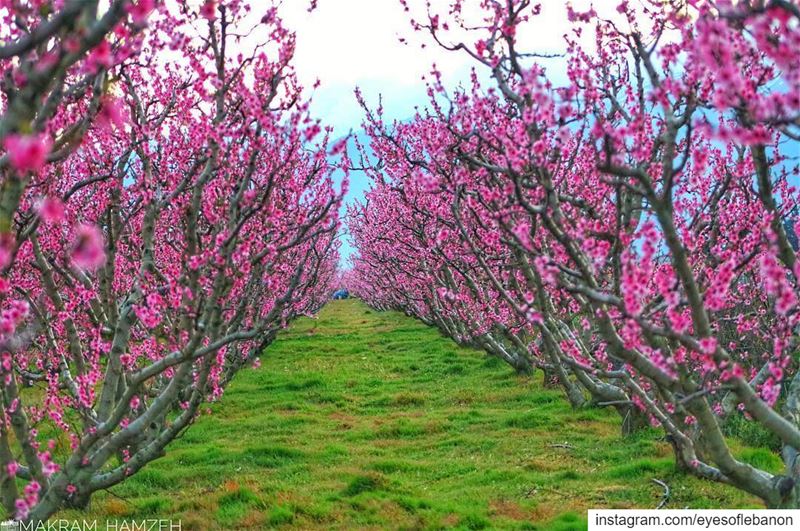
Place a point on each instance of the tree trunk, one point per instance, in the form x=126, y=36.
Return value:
x=633, y=419
x=550, y=380
x=789, y=484
x=789, y=491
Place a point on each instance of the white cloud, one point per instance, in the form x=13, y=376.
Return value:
x=349, y=43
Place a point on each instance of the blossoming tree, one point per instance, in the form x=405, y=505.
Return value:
x=632, y=217
x=167, y=207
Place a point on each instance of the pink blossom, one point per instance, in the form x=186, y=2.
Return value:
x=110, y=115
x=776, y=284
x=22, y=509
x=209, y=10
x=708, y=345
x=522, y=232
x=7, y=247
x=339, y=147
x=27, y=152
x=141, y=10
x=51, y=210
x=101, y=56
x=535, y=317
x=88, y=250
x=195, y=262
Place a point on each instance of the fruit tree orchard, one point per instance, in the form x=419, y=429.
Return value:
x=629, y=230
x=168, y=204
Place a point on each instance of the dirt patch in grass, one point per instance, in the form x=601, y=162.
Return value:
x=509, y=509
x=544, y=512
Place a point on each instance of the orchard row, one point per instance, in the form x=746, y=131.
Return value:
x=628, y=227
x=166, y=207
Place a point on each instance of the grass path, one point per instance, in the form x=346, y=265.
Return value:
x=366, y=420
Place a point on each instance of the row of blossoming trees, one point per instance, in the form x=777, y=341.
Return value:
x=166, y=205
x=628, y=230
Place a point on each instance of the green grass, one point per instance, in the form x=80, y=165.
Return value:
x=367, y=420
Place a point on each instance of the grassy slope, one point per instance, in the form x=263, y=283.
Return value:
x=372, y=420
